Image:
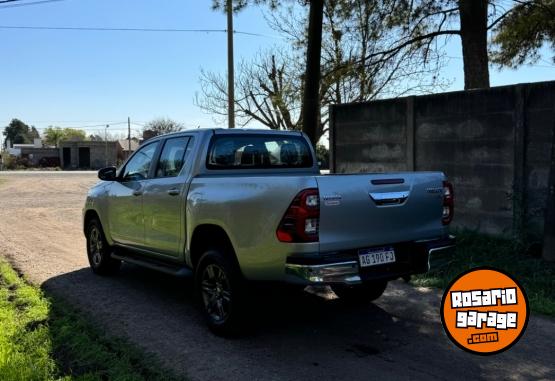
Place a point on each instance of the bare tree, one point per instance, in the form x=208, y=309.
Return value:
x=266, y=92
x=161, y=126
x=269, y=88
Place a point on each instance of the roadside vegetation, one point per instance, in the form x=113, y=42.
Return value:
x=534, y=274
x=42, y=338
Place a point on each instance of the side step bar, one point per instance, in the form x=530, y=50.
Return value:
x=153, y=264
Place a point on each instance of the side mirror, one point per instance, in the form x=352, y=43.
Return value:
x=107, y=174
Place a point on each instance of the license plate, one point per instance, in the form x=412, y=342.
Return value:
x=376, y=256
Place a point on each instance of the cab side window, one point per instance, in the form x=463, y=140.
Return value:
x=137, y=168
x=173, y=156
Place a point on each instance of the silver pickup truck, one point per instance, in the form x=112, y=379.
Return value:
x=234, y=206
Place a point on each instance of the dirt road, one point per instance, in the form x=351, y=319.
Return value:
x=304, y=337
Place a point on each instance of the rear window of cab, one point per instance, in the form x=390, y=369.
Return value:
x=258, y=151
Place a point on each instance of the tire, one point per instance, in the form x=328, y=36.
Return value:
x=362, y=293
x=98, y=251
x=221, y=292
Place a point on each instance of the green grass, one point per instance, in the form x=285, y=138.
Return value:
x=534, y=274
x=42, y=338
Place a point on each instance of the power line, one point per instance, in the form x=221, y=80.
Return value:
x=87, y=126
x=24, y=4
x=62, y=121
x=103, y=29
x=68, y=123
x=95, y=127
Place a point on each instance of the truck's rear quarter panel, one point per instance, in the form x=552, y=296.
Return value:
x=249, y=208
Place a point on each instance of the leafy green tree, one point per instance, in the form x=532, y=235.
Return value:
x=518, y=27
x=19, y=133
x=520, y=35
x=74, y=134
x=54, y=135
x=425, y=22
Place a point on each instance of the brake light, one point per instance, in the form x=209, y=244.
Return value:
x=448, y=203
x=301, y=221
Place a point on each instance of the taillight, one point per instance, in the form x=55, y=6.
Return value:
x=301, y=221
x=448, y=203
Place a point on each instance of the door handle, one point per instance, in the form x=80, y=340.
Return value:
x=389, y=198
x=138, y=192
x=173, y=192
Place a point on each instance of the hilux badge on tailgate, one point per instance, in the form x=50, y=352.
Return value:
x=332, y=200
x=434, y=190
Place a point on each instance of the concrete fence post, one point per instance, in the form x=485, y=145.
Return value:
x=519, y=174
x=409, y=128
x=332, y=138
x=549, y=222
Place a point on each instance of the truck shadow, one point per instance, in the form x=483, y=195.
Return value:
x=273, y=308
x=299, y=331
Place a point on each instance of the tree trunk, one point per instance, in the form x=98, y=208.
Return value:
x=549, y=224
x=474, y=36
x=311, y=98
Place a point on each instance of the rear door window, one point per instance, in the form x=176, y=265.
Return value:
x=258, y=151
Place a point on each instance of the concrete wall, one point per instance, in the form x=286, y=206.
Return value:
x=35, y=154
x=494, y=145
x=98, y=157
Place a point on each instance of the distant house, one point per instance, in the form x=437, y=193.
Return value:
x=89, y=154
x=126, y=149
x=76, y=154
x=15, y=149
x=35, y=154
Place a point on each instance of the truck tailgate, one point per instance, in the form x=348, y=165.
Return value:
x=364, y=210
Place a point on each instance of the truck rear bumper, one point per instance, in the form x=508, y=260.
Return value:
x=344, y=268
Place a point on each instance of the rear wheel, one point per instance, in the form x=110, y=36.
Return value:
x=98, y=250
x=221, y=293
x=361, y=293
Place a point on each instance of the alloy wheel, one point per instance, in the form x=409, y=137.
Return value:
x=95, y=246
x=216, y=293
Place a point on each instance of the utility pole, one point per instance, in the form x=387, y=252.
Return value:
x=106, y=143
x=311, y=98
x=230, y=74
x=128, y=136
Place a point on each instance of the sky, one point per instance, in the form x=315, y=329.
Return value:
x=88, y=79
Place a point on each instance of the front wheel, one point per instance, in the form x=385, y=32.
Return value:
x=98, y=251
x=361, y=293
x=221, y=293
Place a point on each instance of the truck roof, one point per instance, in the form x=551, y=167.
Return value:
x=220, y=130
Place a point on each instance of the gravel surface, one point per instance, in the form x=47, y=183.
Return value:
x=294, y=337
